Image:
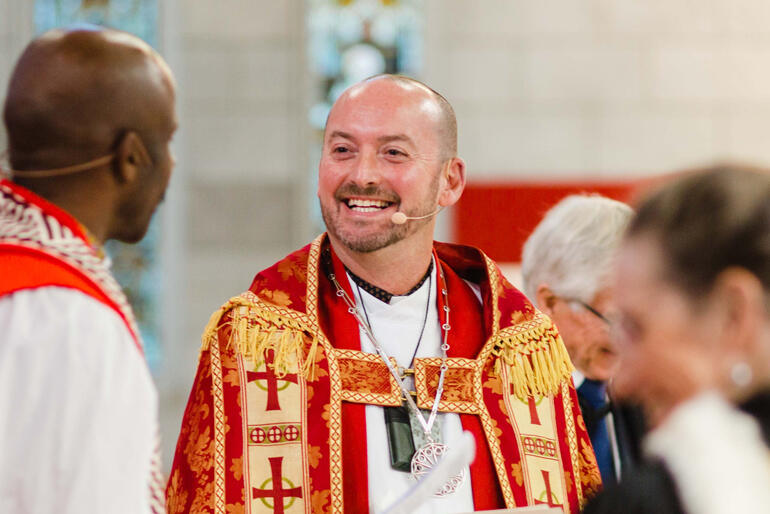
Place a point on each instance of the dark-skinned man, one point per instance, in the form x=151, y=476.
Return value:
x=298, y=404
x=89, y=115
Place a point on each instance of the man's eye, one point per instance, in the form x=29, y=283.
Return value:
x=394, y=152
x=340, y=149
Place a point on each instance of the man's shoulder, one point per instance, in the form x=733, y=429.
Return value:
x=475, y=267
x=285, y=282
x=27, y=268
x=70, y=317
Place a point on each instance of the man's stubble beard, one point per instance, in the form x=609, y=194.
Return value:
x=386, y=237
x=365, y=243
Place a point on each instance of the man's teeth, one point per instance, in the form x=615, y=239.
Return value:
x=362, y=205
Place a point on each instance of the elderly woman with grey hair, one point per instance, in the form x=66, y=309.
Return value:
x=566, y=267
x=693, y=301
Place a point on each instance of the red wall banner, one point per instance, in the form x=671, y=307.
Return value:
x=498, y=217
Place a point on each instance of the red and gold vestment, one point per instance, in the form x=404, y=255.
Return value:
x=275, y=420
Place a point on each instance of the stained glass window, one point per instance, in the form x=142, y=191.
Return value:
x=350, y=40
x=136, y=267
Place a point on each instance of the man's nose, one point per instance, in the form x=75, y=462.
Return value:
x=366, y=172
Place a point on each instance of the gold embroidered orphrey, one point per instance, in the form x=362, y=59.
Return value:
x=524, y=363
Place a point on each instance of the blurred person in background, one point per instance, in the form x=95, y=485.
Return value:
x=693, y=296
x=89, y=115
x=566, y=268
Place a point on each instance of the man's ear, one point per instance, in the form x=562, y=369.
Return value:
x=130, y=157
x=545, y=299
x=453, y=180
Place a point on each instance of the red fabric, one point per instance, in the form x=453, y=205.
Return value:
x=191, y=483
x=342, y=330
x=30, y=268
x=284, y=284
x=466, y=339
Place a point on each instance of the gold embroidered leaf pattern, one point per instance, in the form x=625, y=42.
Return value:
x=236, y=468
x=364, y=377
x=327, y=414
x=294, y=266
x=517, y=473
x=495, y=384
x=314, y=455
x=177, y=495
x=231, y=377
x=501, y=405
x=458, y=384
x=235, y=508
x=320, y=501
x=276, y=297
x=497, y=431
x=589, y=470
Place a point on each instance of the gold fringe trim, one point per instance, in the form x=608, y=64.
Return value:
x=536, y=357
x=258, y=327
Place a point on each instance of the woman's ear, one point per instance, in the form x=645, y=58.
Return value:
x=741, y=310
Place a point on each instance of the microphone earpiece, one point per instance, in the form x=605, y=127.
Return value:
x=399, y=218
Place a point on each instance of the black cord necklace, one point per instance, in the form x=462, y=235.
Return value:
x=424, y=320
x=397, y=423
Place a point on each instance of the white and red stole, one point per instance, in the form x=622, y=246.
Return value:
x=42, y=245
x=275, y=421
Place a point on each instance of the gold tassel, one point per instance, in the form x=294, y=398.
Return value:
x=536, y=359
x=256, y=329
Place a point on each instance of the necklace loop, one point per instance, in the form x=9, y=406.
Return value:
x=426, y=456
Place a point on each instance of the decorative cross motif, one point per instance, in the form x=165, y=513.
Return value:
x=258, y=435
x=291, y=433
x=549, y=496
x=274, y=434
x=534, y=418
x=272, y=381
x=277, y=493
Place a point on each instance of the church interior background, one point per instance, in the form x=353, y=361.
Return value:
x=551, y=97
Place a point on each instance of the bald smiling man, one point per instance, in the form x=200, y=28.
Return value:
x=318, y=389
x=89, y=116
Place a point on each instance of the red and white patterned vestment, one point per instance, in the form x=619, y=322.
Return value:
x=78, y=429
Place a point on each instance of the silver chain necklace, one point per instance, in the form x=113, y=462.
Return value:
x=427, y=456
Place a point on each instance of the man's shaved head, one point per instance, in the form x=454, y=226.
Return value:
x=446, y=123
x=93, y=96
x=74, y=93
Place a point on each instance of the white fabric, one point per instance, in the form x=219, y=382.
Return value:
x=79, y=408
x=397, y=327
x=716, y=456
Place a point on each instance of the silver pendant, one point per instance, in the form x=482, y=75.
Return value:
x=419, y=436
x=426, y=458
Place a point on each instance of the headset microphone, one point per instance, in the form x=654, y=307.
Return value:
x=399, y=218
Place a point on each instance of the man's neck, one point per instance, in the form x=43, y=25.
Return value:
x=90, y=214
x=395, y=268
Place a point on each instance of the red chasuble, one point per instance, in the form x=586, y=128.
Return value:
x=275, y=421
x=42, y=245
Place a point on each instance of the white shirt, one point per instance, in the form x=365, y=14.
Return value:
x=397, y=327
x=716, y=456
x=78, y=408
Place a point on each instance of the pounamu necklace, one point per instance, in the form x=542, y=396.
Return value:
x=428, y=455
x=403, y=430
